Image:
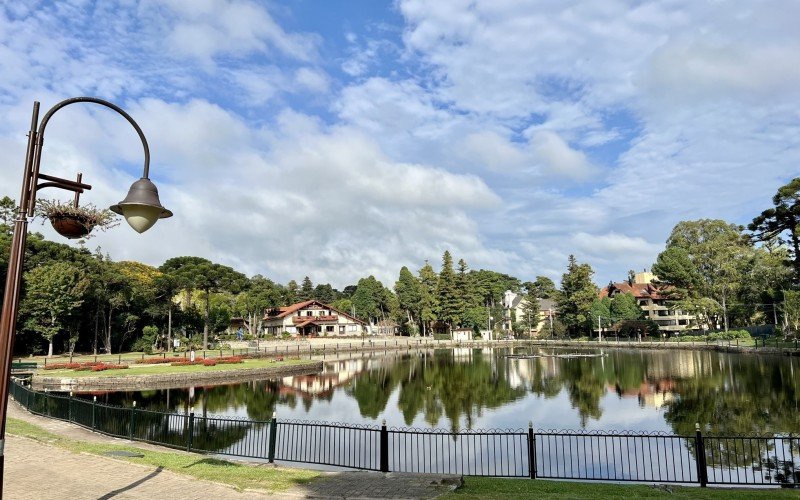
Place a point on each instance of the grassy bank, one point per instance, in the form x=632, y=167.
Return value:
x=165, y=369
x=238, y=475
x=483, y=488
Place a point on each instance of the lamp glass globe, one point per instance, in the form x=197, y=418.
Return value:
x=141, y=217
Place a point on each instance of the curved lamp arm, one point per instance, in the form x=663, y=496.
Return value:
x=102, y=102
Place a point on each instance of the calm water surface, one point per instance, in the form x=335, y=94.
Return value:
x=460, y=389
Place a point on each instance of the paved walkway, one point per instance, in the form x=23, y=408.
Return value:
x=37, y=470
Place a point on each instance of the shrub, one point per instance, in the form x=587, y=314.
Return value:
x=107, y=366
x=185, y=362
x=62, y=366
x=155, y=361
x=229, y=360
x=209, y=362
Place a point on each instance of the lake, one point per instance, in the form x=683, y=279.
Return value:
x=465, y=389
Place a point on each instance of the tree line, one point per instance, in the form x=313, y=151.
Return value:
x=721, y=273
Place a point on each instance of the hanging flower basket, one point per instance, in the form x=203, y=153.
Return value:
x=75, y=222
x=72, y=228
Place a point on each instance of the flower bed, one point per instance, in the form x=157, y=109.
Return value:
x=62, y=366
x=229, y=360
x=87, y=366
x=156, y=361
x=209, y=361
x=107, y=366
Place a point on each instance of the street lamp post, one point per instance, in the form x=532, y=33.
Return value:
x=141, y=209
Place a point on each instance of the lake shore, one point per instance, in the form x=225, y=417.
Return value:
x=170, y=377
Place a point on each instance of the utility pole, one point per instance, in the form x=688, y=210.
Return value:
x=599, y=329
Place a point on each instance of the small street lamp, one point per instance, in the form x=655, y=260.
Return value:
x=141, y=209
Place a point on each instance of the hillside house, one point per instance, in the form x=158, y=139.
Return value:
x=312, y=319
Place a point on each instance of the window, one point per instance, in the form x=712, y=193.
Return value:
x=329, y=328
x=341, y=329
x=309, y=313
x=352, y=328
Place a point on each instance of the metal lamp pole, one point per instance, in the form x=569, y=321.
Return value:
x=141, y=208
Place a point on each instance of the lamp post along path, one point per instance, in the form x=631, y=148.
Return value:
x=141, y=209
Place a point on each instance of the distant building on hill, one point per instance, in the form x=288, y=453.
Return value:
x=652, y=298
x=314, y=319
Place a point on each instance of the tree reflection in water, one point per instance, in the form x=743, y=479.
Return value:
x=729, y=394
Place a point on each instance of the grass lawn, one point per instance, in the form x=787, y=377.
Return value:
x=238, y=475
x=161, y=369
x=484, y=488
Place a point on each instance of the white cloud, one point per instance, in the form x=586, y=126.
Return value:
x=204, y=29
x=559, y=158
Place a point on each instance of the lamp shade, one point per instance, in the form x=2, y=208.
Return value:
x=141, y=208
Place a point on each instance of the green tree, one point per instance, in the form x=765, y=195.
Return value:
x=600, y=313
x=782, y=219
x=292, y=293
x=544, y=288
x=53, y=295
x=372, y=301
x=578, y=292
x=208, y=277
x=624, y=307
x=530, y=307
x=428, y=299
x=306, y=290
x=718, y=252
x=325, y=293
x=409, y=297
x=449, y=306
x=261, y=294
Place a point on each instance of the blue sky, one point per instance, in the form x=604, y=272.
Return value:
x=340, y=139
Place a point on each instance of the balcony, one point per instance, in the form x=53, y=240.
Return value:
x=316, y=319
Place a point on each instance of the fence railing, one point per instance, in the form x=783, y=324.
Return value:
x=603, y=456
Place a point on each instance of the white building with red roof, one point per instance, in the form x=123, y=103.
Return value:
x=654, y=301
x=314, y=319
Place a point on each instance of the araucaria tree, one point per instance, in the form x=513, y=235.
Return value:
x=782, y=220
x=578, y=292
x=208, y=277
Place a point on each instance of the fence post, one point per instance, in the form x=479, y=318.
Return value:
x=531, y=451
x=191, y=431
x=384, y=447
x=273, y=437
x=69, y=407
x=94, y=405
x=133, y=422
x=700, y=451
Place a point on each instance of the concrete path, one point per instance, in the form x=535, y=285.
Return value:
x=36, y=470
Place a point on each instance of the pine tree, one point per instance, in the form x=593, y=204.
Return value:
x=292, y=291
x=530, y=308
x=306, y=290
x=578, y=292
x=447, y=293
x=409, y=297
x=428, y=303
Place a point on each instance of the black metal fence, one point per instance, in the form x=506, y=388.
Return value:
x=603, y=456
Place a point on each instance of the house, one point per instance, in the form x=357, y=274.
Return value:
x=652, y=299
x=462, y=334
x=514, y=305
x=312, y=318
